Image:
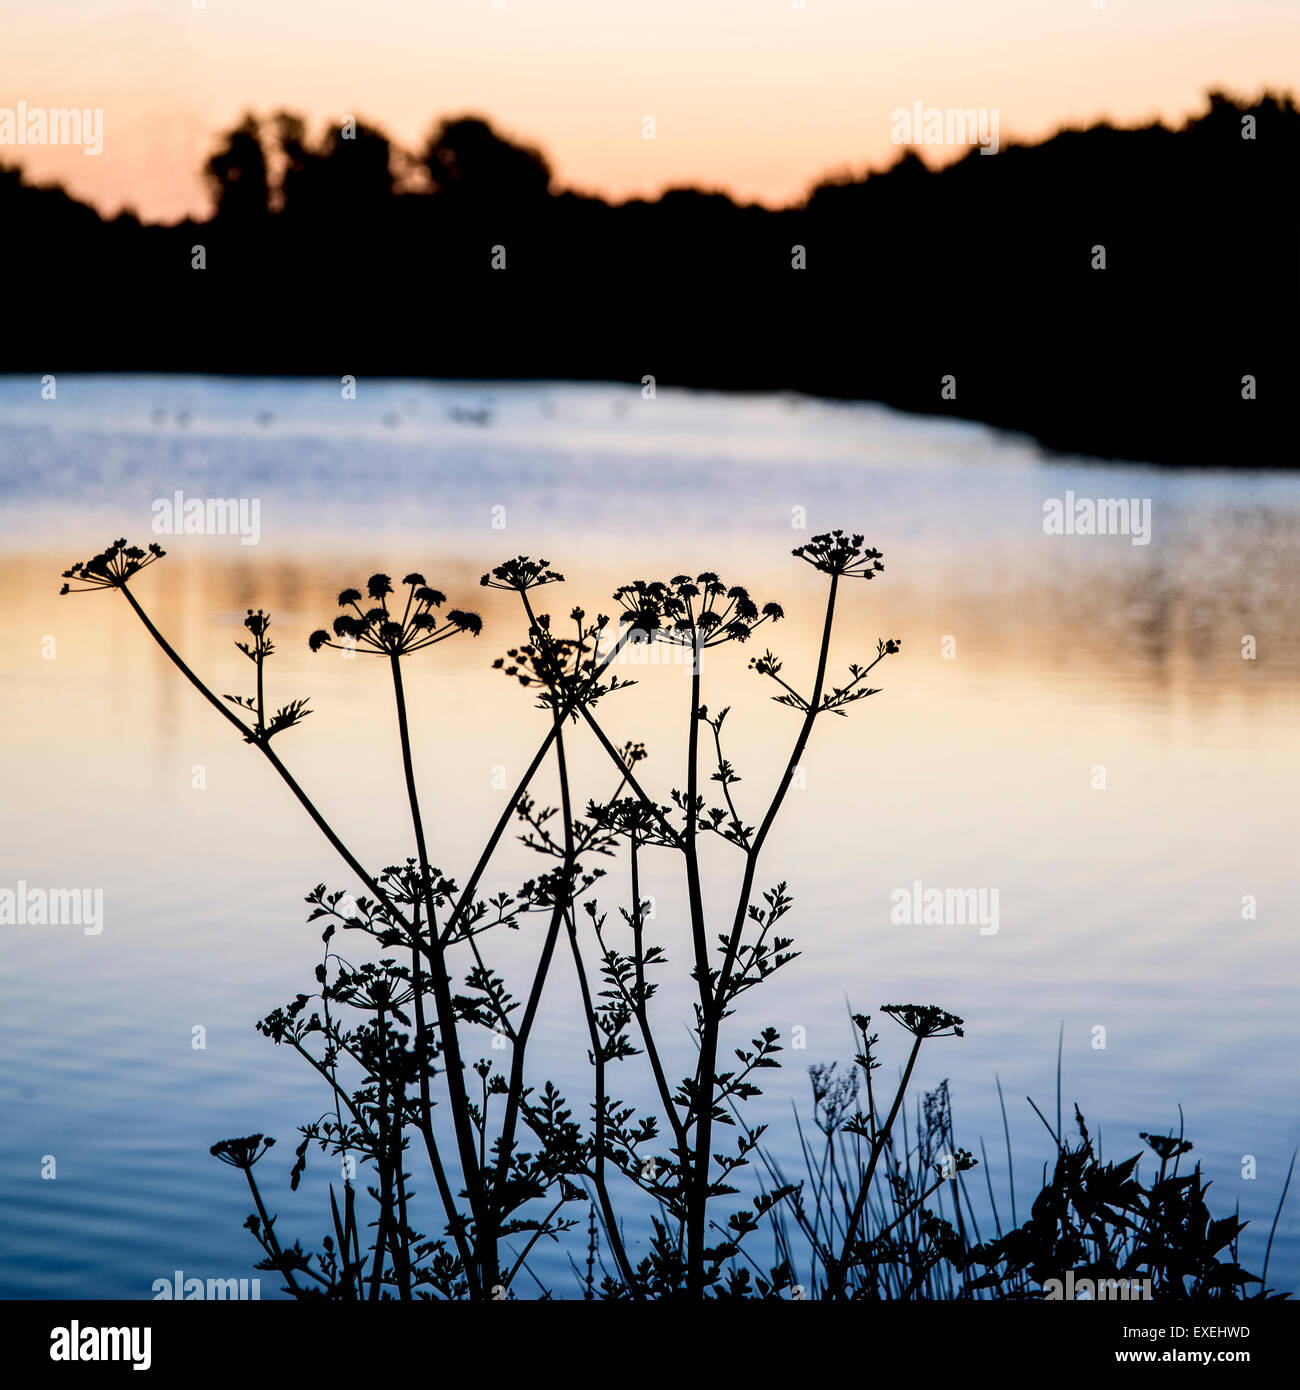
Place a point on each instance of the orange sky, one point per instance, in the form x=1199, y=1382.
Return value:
x=754, y=96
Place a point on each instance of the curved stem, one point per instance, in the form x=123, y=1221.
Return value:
x=265, y=748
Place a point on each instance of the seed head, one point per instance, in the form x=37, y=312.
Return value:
x=111, y=568
x=835, y=552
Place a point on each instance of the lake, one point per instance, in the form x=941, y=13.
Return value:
x=1100, y=729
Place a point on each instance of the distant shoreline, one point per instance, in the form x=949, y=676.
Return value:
x=1124, y=294
x=1263, y=449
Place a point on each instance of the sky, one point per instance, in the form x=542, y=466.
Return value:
x=755, y=97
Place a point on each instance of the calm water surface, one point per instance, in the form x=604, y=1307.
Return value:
x=1029, y=661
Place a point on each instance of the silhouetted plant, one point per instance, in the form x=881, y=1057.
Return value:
x=385, y=1035
x=1098, y=1221
x=506, y=1152
x=879, y=1215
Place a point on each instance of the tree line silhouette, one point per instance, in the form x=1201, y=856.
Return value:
x=1121, y=292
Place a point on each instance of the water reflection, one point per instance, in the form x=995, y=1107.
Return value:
x=1028, y=663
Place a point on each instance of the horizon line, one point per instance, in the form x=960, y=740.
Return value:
x=935, y=156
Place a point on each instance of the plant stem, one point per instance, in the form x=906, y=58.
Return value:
x=694, y=892
x=269, y=1227
x=597, y=1048
x=264, y=746
x=715, y=1007
x=485, y=1235
x=837, y=1274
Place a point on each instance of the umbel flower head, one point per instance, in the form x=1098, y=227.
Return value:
x=702, y=611
x=383, y=631
x=925, y=1020
x=242, y=1153
x=382, y=986
x=111, y=568
x=521, y=574
x=632, y=818
x=565, y=668
x=834, y=552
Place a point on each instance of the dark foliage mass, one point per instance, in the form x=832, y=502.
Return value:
x=350, y=255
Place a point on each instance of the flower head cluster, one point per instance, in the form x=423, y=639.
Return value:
x=769, y=664
x=700, y=612
x=385, y=631
x=242, y=1153
x=834, y=552
x=111, y=568
x=633, y=819
x=925, y=1020
x=521, y=574
x=384, y=986
x=564, y=668
x=962, y=1161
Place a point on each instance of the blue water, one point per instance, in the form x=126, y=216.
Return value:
x=1120, y=909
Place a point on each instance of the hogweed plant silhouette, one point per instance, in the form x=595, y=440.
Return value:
x=508, y=1157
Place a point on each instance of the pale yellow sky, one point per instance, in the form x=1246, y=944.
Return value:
x=755, y=96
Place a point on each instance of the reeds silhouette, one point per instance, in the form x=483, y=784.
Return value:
x=508, y=1157
x=881, y=1215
